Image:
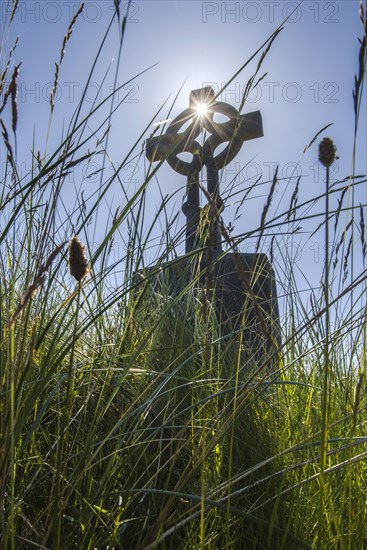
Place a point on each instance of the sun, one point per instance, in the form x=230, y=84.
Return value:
x=201, y=109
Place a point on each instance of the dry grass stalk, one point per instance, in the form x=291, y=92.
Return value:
x=342, y=239
x=358, y=79
x=7, y=143
x=346, y=258
x=266, y=207
x=117, y=8
x=4, y=74
x=316, y=136
x=13, y=11
x=363, y=231
x=340, y=204
x=294, y=199
x=62, y=55
x=38, y=281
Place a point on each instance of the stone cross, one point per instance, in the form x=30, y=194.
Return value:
x=199, y=121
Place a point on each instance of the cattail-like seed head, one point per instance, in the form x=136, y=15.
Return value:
x=78, y=263
x=13, y=94
x=327, y=152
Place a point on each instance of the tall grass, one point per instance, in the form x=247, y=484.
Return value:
x=129, y=417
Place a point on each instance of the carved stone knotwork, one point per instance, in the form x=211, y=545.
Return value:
x=234, y=131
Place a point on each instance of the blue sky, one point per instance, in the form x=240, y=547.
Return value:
x=310, y=76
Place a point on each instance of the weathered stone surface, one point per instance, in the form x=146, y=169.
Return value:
x=242, y=288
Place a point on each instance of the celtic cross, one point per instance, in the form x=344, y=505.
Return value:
x=199, y=119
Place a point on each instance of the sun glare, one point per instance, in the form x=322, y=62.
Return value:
x=201, y=109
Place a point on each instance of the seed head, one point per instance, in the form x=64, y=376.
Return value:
x=327, y=152
x=78, y=263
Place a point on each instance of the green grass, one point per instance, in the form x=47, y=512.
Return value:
x=129, y=418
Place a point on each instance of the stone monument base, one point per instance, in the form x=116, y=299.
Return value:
x=239, y=288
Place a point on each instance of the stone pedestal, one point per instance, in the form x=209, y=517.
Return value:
x=242, y=289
